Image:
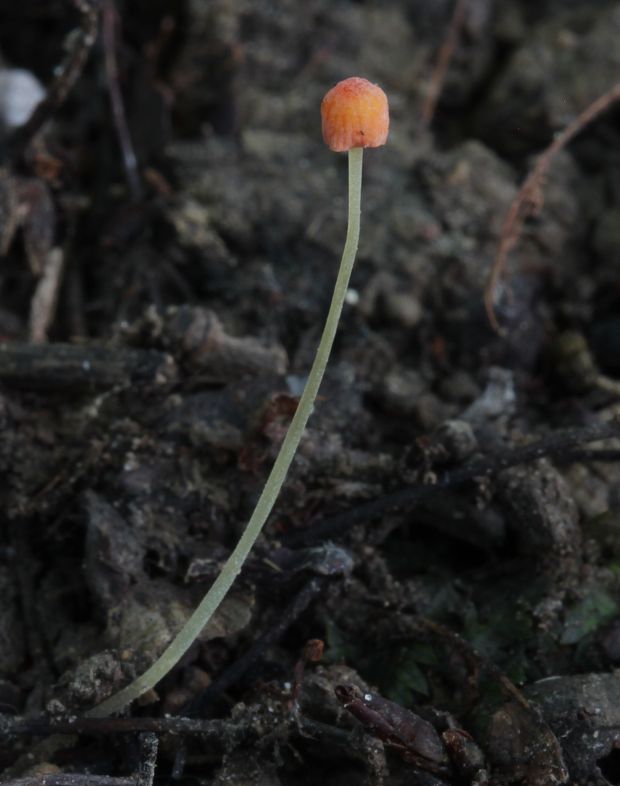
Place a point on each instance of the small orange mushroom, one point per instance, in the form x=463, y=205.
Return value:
x=355, y=116
x=355, y=113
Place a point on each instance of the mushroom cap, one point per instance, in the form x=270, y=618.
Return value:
x=355, y=113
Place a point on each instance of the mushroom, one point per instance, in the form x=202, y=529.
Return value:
x=354, y=116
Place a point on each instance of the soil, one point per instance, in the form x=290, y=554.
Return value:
x=436, y=596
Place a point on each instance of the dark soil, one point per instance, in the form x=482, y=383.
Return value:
x=436, y=598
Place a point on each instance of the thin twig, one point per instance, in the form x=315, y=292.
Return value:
x=444, y=58
x=221, y=736
x=237, y=669
x=149, y=745
x=69, y=779
x=556, y=446
x=85, y=367
x=66, y=76
x=529, y=198
x=212, y=732
x=583, y=456
x=45, y=298
x=108, y=31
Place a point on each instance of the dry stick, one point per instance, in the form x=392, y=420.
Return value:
x=529, y=198
x=75, y=368
x=145, y=773
x=67, y=75
x=444, y=58
x=555, y=446
x=69, y=779
x=45, y=298
x=213, y=733
x=108, y=30
x=215, y=736
x=250, y=657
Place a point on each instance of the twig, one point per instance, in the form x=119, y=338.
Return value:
x=444, y=58
x=236, y=670
x=556, y=446
x=588, y=456
x=179, y=762
x=529, y=198
x=85, y=367
x=69, y=779
x=67, y=75
x=220, y=735
x=45, y=298
x=108, y=30
x=212, y=732
x=149, y=745
x=217, y=735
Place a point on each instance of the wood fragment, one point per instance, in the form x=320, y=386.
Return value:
x=65, y=367
x=213, y=734
x=69, y=779
x=149, y=745
x=45, y=298
x=109, y=26
x=198, y=337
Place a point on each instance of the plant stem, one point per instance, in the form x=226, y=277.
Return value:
x=219, y=589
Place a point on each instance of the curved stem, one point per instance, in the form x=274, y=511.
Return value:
x=219, y=589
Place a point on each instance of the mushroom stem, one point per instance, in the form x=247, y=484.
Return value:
x=220, y=587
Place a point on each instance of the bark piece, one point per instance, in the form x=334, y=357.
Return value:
x=65, y=367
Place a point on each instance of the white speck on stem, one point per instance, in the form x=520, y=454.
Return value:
x=352, y=297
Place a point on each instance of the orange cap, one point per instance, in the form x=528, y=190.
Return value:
x=355, y=114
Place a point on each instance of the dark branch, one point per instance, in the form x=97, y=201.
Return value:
x=557, y=446
x=69, y=779
x=237, y=669
x=109, y=25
